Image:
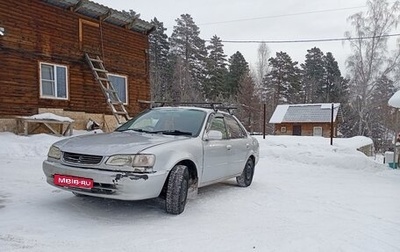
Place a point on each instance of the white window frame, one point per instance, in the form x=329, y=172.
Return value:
x=315, y=129
x=126, y=86
x=55, y=81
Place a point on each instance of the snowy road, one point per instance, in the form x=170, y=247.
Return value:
x=306, y=196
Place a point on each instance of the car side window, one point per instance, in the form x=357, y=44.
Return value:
x=218, y=124
x=234, y=128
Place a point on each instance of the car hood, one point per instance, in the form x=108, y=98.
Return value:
x=106, y=144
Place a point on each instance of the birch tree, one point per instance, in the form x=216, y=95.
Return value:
x=370, y=60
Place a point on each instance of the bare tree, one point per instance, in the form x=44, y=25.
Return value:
x=370, y=60
x=262, y=63
x=249, y=104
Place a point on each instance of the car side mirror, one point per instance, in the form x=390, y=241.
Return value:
x=214, y=135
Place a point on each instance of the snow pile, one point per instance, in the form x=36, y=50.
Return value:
x=50, y=116
x=318, y=151
x=394, y=101
x=25, y=146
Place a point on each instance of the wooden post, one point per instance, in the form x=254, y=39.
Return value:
x=264, y=120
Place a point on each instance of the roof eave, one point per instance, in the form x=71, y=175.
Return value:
x=105, y=14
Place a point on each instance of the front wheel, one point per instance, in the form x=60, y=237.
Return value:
x=245, y=179
x=177, y=190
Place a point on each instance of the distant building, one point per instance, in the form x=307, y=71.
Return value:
x=306, y=119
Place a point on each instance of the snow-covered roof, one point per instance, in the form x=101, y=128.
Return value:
x=394, y=101
x=301, y=113
x=108, y=15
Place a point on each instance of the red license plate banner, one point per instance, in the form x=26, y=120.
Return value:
x=71, y=181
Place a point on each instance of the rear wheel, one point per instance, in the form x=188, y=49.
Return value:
x=177, y=190
x=245, y=179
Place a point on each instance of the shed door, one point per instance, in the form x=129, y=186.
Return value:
x=296, y=130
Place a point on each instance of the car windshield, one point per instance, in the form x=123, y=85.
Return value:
x=170, y=121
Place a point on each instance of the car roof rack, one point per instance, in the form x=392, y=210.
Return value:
x=213, y=105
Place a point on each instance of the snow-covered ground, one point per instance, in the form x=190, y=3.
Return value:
x=306, y=196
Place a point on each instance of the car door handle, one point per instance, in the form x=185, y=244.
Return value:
x=247, y=146
x=228, y=147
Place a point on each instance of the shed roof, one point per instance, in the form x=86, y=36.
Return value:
x=104, y=13
x=305, y=113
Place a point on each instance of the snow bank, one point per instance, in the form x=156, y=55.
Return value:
x=25, y=146
x=318, y=151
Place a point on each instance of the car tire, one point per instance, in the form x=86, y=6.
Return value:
x=177, y=190
x=245, y=179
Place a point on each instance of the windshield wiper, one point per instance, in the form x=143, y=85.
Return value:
x=173, y=132
x=137, y=130
x=165, y=132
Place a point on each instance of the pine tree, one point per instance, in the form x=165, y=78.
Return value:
x=190, y=52
x=282, y=83
x=335, y=87
x=160, y=74
x=238, y=69
x=313, y=76
x=382, y=116
x=216, y=69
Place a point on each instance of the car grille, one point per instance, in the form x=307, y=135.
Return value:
x=99, y=188
x=103, y=188
x=81, y=158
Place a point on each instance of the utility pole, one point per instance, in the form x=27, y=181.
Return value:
x=332, y=127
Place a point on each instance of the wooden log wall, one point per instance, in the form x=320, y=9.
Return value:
x=306, y=128
x=38, y=32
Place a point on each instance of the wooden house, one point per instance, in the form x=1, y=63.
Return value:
x=306, y=119
x=43, y=44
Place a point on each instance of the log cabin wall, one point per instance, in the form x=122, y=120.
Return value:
x=307, y=129
x=36, y=32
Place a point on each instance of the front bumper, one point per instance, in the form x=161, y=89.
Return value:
x=110, y=184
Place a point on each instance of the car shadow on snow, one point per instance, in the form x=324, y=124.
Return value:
x=88, y=206
x=110, y=209
x=218, y=188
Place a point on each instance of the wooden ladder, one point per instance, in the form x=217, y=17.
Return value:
x=100, y=73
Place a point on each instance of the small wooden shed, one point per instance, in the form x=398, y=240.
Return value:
x=315, y=119
x=43, y=44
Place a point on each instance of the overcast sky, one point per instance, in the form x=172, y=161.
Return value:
x=258, y=20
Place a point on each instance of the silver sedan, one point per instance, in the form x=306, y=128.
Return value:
x=166, y=152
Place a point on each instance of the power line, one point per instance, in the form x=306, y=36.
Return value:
x=304, y=40
x=282, y=15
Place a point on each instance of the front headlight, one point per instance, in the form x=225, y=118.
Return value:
x=120, y=160
x=54, y=152
x=140, y=162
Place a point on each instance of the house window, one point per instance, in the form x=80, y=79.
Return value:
x=317, y=131
x=283, y=129
x=53, y=81
x=120, y=85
